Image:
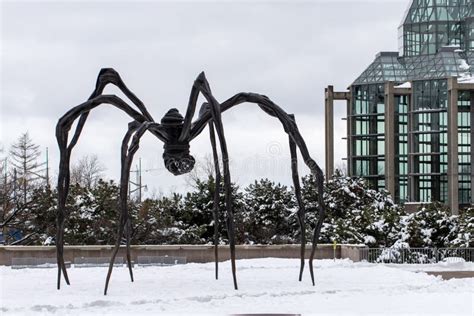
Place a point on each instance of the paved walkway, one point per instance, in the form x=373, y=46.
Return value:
x=446, y=275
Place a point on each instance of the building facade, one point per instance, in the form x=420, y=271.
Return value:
x=409, y=113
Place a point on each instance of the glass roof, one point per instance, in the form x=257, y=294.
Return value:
x=429, y=25
x=421, y=11
x=431, y=36
x=386, y=67
x=448, y=62
x=442, y=65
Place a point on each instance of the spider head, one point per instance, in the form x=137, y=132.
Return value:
x=176, y=155
x=179, y=164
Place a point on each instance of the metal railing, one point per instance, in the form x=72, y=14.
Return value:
x=160, y=260
x=416, y=255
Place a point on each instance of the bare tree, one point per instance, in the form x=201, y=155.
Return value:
x=24, y=160
x=342, y=168
x=5, y=193
x=203, y=170
x=18, y=175
x=87, y=171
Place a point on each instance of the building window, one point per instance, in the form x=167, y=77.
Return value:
x=429, y=135
x=464, y=147
x=401, y=148
x=367, y=135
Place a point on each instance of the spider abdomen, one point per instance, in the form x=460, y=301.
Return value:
x=176, y=154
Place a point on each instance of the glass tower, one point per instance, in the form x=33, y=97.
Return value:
x=431, y=123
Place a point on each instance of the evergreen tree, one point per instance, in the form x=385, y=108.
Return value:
x=158, y=221
x=355, y=213
x=269, y=213
x=93, y=214
x=40, y=224
x=198, y=212
x=465, y=233
x=431, y=226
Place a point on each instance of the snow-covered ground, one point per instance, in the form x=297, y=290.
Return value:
x=265, y=286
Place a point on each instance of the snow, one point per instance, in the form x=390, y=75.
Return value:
x=465, y=73
x=404, y=85
x=369, y=240
x=463, y=65
x=349, y=192
x=265, y=286
x=469, y=79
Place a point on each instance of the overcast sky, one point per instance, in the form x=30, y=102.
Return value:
x=287, y=50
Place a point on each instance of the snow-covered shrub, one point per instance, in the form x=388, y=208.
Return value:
x=156, y=221
x=394, y=253
x=93, y=214
x=355, y=213
x=197, y=215
x=431, y=226
x=264, y=213
x=401, y=252
x=465, y=232
x=37, y=220
x=269, y=213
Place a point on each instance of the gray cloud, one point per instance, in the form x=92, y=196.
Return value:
x=52, y=52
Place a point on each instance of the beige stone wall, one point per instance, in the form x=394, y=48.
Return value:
x=193, y=253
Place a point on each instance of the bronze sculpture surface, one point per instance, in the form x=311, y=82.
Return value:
x=176, y=132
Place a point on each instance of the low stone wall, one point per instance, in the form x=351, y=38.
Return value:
x=193, y=253
x=352, y=252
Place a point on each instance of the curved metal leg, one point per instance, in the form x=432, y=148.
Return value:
x=301, y=210
x=216, y=197
x=60, y=253
x=228, y=202
x=115, y=251
x=128, y=233
x=123, y=221
x=127, y=154
x=289, y=125
x=317, y=230
x=63, y=190
x=217, y=120
x=62, y=130
x=228, y=197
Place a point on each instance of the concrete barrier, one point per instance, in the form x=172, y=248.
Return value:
x=352, y=252
x=193, y=253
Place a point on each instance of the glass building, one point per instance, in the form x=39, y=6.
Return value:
x=409, y=112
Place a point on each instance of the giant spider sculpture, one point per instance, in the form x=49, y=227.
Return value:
x=176, y=133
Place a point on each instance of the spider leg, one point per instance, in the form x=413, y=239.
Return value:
x=193, y=97
x=127, y=154
x=63, y=188
x=123, y=217
x=128, y=234
x=228, y=190
x=290, y=128
x=215, y=109
x=62, y=130
x=110, y=76
x=301, y=208
x=216, y=197
x=318, y=174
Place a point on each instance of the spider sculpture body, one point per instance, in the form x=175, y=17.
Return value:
x=176, y=132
